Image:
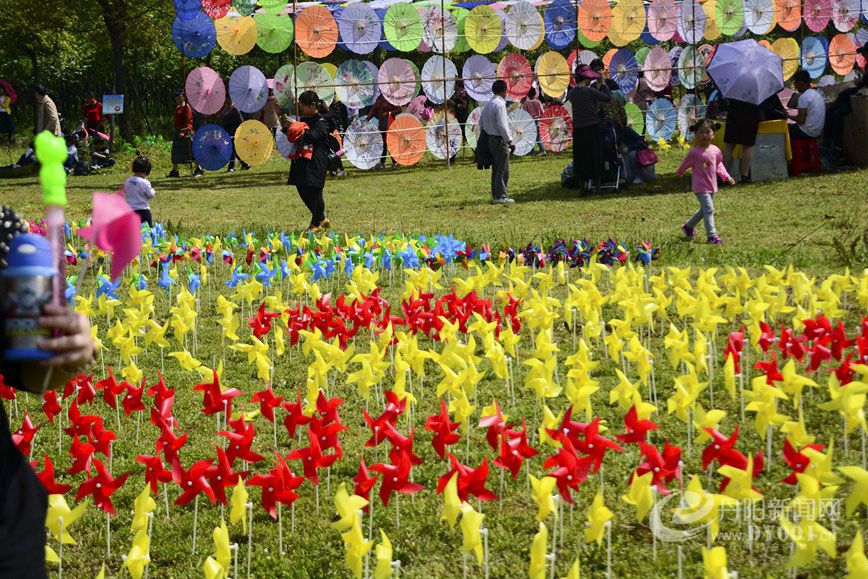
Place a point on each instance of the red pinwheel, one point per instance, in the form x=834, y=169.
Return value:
x=364, y=482
x=767, y=337
x=396, y=478
x=378, y=428
x=495, y=425
x=327, y=434
x=514, y=449
x=111, y=389
x=82, y=387
x=470, y=481
x=595, y=445
x=402, y=445
x=6, y=392
x=722, y=450
x=46, y=477
x=169, y=444
x=569, y=429
x=791, y=345
x=845, y=372
x=215, y=399
x=192, y=481
x=838, y=341
x=295, y=416
x=637, y=430
x=162, y=415
x=50, y=405
x=101, y=486
x=159, y=392
x=240, y=440
x=220, y=476
x=267, y=402
x=82, y=455
x=260, y=324
x=102, y=438
x=570, y=470
x=155, y=471
x=820, y=352
x=734, y=347
x=663, y=466
x=23, y=437
x=312, y=459
x=444, y=430
x=797, y=461
x=817, y=328
x=133, y=399
x=277, y=486
x=770, y=369
x=327, y=408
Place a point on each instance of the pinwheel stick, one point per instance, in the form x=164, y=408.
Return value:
x=484, y=533
x=249, y=537
x=680, y=562
x=195, y=520
x=280, y=526
x=398, y=511
x=108, y=534
x=608, y=549
x=60, y=549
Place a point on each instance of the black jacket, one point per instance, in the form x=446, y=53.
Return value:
x=312, y=172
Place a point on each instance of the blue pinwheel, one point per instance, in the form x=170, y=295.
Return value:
x=349, y=266
x=237, y=277
x=166, y=282
x=386, y=260
x=71, y=291
x=141, y=282
x=265, y=274
x=317, y=269
x=284, y=269
x=108, y=288
x=193, y=282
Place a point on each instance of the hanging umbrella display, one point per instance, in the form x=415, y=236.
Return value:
x=705, y=52
x=657, y=69
x=284, y=146
x=560, y=24
x=196, y=37
x=553, y=74
x=504, y=39
x=556, y=129
x=273, y=32
x=691, y=67
x=272, y=6
x=374, y=72
x=515, y=70
x=845, y=14
x=817, y=14
x=642, y=53
x=607, y=58
x=660, y=119
x=316, y=31
x=788, y=49
x=212, y=147
x=245, y=7
x=397, y=81
x=483, y=29
x=523, y=130
x=635, y=118
x=675, y=59
x=403, y=26
x=363, y=145
x=628, y=18
x=460, y=16
x=205, y=90
x=746, y=71
x=215, y=9
x=712, y=32
x=248, y=89
x=595, y=19
x=472, y=128
x=439, y=30
x=236, y=34
x=624, y=69
x=283, y=87
x=690, y=109
x=354, y=84
x=814, y=56
x=187, y=9
x=759, y=15
x=479, y=74
x=438, y=79
x=9, y=91
x=842, y=54
x=310, y=75
x=524, y=25
x=729, y=15
x=359, y=27
x=691, y=21
x=443, y=135
x=788, y=14
x=384, y=44
x=405, y=139
x=662, y=19
x=253, y=142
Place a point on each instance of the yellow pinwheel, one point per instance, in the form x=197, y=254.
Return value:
x=859, y=495
x=222, y=547
x=383, y=551
x=186, y=360
x=452, y=505
x=59, y=514
x=714, y=563
x=541, y=490
x=808, y=536
x=471, y=523
x=142, y=506
x=857, y=562
x=703, y=507
x=538, y=551
x=793, y=383
x=238, y=502
x=640, y=495
x=213, y=570
x=598, y=516
x=139, y=555
x=356, y=547
x=347, y=506
x=740, y=481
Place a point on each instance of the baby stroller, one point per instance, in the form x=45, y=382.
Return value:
x=613, y=162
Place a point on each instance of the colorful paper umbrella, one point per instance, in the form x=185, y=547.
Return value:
x=553, y=74
x=212, y=147
x=842, y=54
x=403, y=26
x=814, y=56
x=817, y=14
x=236, y=34
x=515, y=70
x=443, y=135
x=397, y=81
x=374, y=72
x=585, y=41
x=196, y=37
x=523, y=25
x=384, y=44
x=248, y=89
x=560, y=24
x=283, y=87
x=405, y=139
x=215, y=9
x=628, y=18
x=845, y=14
x=675, y=59
x=706, y=52
x=624, y=69
x=479, y=74
x=314, y=76
x=272, y=6
x=615, y=37
x=245, y=7
x=788, y=49
x=643, y=52
x=354, y=84
x=460, y=16
x=472, y=128
x=607, y=58
x=691, y=67
x=660, y=120
x=746, y=71
x=438, y=78
x=273, y=32
x=657, y=68
x=205, y=90
x=595, y=19
x=253, y=142
x=523, y=131
x=439, y=30
x=187, y=9
x=662, y=19
x=483, y=29
x=556, y=129
x=690, y=109
x=363, y=145
x=729, y=15
x=759, y=15
x=788, y=14
x=316, y=31
x=712, y=32
x=691, y=21
x=360, y=28
x=284, y=146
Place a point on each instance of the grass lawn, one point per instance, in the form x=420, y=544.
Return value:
x=775, y=224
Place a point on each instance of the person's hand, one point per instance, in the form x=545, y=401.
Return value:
x=730, y=180
x=511, y=148
x=74, y=347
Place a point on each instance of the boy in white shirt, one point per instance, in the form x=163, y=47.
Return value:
x=810, y=115
x=138, y=190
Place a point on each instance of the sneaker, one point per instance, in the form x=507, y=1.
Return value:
x=245, y=167
x=173, y=173
x=688, y=231
x=745, y=179
x=230, y=170
x=341, y=173
x=325, y=224
x=314, y=229
x=502, y=201
x=198, y=173
x=380, y=167
x=715, y=240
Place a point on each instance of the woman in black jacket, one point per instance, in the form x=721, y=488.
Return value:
x=308, y=174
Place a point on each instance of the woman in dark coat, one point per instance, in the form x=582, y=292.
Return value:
x=742, y=126
x=308, y=169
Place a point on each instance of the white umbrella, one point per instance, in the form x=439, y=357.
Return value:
x=524, y=25
x=443, y=135
x=438, y=79
x=523, y=131
x=440, y=31
x=472, y=128
x=363, y=144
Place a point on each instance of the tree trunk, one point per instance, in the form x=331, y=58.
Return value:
x=114, y=14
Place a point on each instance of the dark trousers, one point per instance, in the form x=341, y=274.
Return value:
x=796, y=133
x=499, y=167
x=145, y=215
x=312, y=198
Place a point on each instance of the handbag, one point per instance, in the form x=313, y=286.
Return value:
x=646, y=157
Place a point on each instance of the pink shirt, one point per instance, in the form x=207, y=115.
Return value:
x=706, y=165
x=533, y=107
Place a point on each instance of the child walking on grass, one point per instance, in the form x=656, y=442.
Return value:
x=138, y=190
x=706, y=163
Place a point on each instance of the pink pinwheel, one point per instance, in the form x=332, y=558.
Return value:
x=155, y=471
x=192, y=481
x=116, y=229
x=46, y=477
x=50, y=405
x=797, y=461
x=396, y=478
x=220, y=476
x=722, y=450
x=513, y=450
x=267, y=402
x=23, y=437
x=277, y=486
x=101, y=486
x=471, y=482
x=312, y=459
x=663, y=466
x=240, y=441
x=133, y=400
x=495, y=425
x=570, y=470
x=295, y=416
x=364, y=482
x=445, y=431
x=637, y=430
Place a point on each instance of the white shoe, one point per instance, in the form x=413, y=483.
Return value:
x=502, y=201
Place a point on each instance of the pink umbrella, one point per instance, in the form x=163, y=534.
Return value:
x=556, y=128
x=657, y=68
x=845, y=14
x=662, y=19
x=205, y=90
x=692, y=20
x=516, y=71
x=397, y=81
x=817, y=14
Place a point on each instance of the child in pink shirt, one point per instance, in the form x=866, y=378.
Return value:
x=706, y=163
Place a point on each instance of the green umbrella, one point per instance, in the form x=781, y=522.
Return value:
x=729, y=15
x=403, y=27
x=245, y=7
x=273, y=6
x=586, y=42
x=273, y=33
x=418, y=79
x=313, y=76
x=635, y=118
x=284, y=90
x=461, y=43
x=641, y=54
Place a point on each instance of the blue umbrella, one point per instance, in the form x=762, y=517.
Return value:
x=814, y=56
x=560, y=24
x=212, y=147
x=194, y=37
x=624, y=69
x=660, y=120
x=360, y=28
x=248, y=89
x=384, y=44
x=187, y=9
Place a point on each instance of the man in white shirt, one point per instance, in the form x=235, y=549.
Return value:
x=810, y=108
x=495, y=122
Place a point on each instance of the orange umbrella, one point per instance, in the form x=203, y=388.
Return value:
x=607, y=58
x=595, y=19
x=406, y=140
x=316, y=31
x=788, y=13
x=842, y=54
x=767, y=44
